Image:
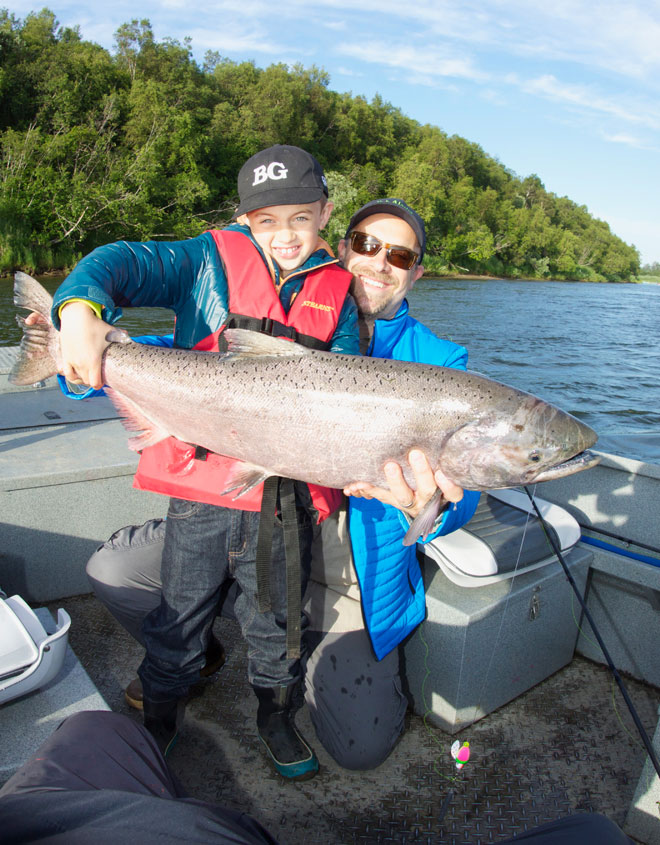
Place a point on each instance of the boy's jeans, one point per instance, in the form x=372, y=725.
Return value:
x=205, y=545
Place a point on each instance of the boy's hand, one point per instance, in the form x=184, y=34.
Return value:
x=82, y=341
x=400, y=494
x=35, y=317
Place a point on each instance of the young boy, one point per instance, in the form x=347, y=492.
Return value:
x=268, y=272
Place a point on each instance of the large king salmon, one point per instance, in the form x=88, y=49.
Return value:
x=321, y=417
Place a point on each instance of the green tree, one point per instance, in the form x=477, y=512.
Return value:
x=142, y=143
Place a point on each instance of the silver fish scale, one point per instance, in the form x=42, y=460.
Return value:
x=320, y=418
x=332, y=419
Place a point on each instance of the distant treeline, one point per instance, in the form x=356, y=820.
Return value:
x=144, y=143
x=651, y=269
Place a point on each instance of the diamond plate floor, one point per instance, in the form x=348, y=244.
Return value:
x=567, y=745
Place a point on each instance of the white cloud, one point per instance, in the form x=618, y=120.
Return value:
x=629, y=141
x=236, y=39
x=344, y=71
x=613, y=36
x=427, y=64
x=586, y=97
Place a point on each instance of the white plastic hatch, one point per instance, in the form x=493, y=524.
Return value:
x=503, y=539
x=30, y=657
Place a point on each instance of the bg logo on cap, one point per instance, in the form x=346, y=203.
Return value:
x=275, y=170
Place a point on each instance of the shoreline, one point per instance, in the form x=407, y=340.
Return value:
x=481, y=278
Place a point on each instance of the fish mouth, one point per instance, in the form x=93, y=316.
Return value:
x=583, y=460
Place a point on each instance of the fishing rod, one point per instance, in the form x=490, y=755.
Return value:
x=619, y=537
x=613, y=669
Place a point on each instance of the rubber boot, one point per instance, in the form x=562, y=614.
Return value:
x=161, y=720
x=288, y=751
x=215, y=660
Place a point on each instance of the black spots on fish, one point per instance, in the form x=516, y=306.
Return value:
x=375, y=720
x=351, y=742
x=343, y=691
x=333, y=660
x=359, y=680
x=370, y=681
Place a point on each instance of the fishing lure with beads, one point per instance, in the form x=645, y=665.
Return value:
x=460, y=753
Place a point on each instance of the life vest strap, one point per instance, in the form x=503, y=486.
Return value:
x=287, y=495
x=292, y=554
x=265, y=541
x=266, y=325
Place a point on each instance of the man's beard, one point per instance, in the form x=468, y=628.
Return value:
x=367, y=307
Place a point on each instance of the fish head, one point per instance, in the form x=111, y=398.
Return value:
x=502, y=448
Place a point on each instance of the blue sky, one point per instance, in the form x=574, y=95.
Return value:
x=568, y=90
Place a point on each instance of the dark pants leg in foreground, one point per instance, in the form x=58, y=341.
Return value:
x=581, y=829
x=101, y=779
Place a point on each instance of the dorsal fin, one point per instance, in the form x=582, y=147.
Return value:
x=242, y=342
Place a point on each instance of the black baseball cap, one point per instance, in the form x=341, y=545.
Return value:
x=280, y=175
x=398, y=208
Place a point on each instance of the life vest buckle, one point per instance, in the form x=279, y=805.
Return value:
x=277, y=329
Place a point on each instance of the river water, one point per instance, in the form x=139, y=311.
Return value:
x=591, y=349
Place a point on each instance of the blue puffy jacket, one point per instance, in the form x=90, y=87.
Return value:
x=391, y=584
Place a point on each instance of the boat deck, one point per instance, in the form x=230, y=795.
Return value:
x=567, y=745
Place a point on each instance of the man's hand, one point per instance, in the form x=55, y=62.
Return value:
x=400, y=494
x=82, y=341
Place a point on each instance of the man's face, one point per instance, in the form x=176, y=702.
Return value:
x=288, y=233
x=378, y=287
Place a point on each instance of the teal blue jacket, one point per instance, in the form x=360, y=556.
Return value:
x=187, y=277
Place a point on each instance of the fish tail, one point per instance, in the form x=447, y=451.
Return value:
x=39, y=350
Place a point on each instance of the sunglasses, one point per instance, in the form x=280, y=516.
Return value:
x=398, y=256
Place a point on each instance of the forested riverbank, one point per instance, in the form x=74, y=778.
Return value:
x=142, y=142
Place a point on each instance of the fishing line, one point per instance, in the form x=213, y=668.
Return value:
x=512, y=579
x=453, y=779
x=457, y=779
x=585, y=610
x=593, y=642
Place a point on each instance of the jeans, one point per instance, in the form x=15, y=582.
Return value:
x=204, y=546
x=358, y=729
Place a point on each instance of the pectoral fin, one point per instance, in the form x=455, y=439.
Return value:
x=245, y=478
x=424, y=522
x=133, y=419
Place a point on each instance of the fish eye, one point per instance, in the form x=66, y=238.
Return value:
x=534, y=456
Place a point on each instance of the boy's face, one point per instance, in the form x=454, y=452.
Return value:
x=288, y=233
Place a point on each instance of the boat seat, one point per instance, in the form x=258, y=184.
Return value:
x=30, y=657
x=504, y=538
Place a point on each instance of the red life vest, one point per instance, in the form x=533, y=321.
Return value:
x=170, y=467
